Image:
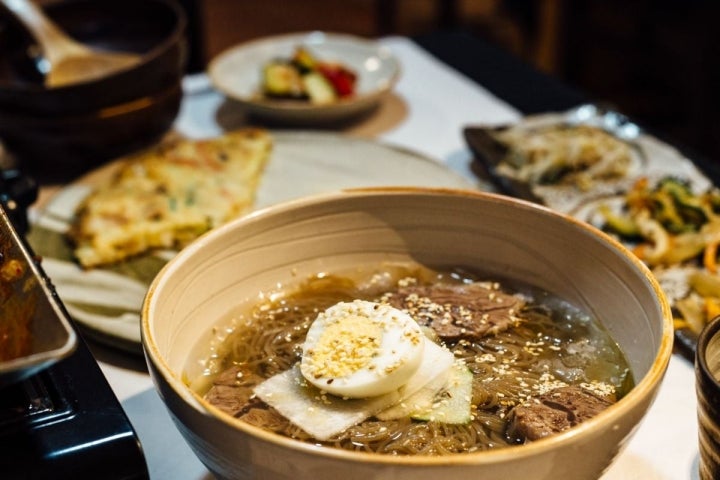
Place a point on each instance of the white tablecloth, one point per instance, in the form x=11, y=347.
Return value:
x=430, y=106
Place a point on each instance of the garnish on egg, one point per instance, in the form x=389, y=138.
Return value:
x=362, y=349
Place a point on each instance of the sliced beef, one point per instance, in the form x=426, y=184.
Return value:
x=554, y=412
x=232, y=390
x=470, y=311
x=264, y=416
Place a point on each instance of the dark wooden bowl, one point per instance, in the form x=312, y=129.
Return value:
x=153, y=28
x=67, y=130
x=60, y=148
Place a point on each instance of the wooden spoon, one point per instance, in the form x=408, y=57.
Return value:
x=68, y=61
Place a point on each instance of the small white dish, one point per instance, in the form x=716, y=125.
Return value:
x=237, y=73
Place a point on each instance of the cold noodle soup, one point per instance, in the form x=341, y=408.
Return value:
x=476, y=363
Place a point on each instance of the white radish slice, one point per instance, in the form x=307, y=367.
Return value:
x=323, y=415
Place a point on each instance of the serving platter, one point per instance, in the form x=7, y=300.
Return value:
x=653, y=164
x=652, y=158
x=237, y=73
x=106, y=302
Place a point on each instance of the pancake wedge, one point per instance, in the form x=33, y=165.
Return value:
x=167, y=196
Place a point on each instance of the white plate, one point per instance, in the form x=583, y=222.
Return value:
x=237, y=74
x=106, y=302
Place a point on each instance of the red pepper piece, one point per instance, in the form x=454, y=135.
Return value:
x=342, y=79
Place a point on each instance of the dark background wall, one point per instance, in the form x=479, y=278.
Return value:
x=659, y=61
x=655, y=60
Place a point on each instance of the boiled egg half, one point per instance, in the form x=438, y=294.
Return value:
x=361, y=349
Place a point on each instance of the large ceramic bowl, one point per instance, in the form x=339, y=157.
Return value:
x=495, y=234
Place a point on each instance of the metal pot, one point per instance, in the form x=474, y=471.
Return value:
x=35, y=329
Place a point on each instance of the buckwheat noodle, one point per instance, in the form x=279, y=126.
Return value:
x=508, y=367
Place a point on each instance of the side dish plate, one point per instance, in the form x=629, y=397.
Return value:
x=106, y=302
x=653, y=161
x=237, y=73
x=653, y=158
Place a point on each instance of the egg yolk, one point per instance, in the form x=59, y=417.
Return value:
x=361, y=349
x=345, y=347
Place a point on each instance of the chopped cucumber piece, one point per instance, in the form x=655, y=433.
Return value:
x=452, y=404
x=421, y=401
x=445, y=400
x=281, y=79
x=620, y=224
x=318, y=88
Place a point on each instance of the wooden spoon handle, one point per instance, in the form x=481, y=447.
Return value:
x=55, y=42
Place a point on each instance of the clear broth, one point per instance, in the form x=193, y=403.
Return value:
x=556, y=344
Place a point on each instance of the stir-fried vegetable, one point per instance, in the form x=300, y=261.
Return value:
x=668, y=222
x=305, y=77
x=670, y=225
x=579, y=155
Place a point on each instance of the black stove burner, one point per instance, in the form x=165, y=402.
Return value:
x=64, y=422
x=33, y=400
